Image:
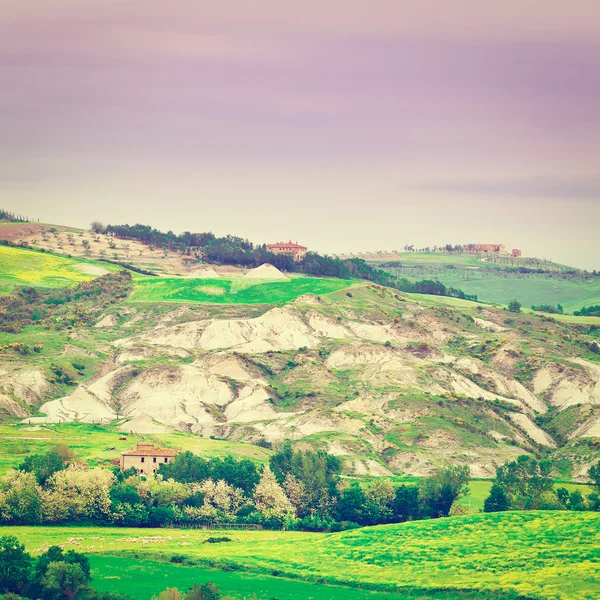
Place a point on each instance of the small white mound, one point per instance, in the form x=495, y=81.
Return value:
x=204, y=273
x=265, y=271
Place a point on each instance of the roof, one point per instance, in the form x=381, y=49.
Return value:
x=151, y=452
x=290, y=245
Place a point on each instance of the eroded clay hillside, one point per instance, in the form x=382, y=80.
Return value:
x=394, y=383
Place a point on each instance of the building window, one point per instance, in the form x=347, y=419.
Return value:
x=142, y=471
x=154, y=470
x=142, y=459
x=154, y=459
x=166, y=460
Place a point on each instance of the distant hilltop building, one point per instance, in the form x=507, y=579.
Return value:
x=289, y=248
x=146, y=458
x=516, y=253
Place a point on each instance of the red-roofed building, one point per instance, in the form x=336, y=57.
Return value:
x=289, y=248
x=146, y=458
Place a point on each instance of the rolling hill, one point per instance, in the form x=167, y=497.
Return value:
x=531, y=281
x=391, y=382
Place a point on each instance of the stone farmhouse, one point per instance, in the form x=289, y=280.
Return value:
x=146, y=458
x=516, y=253
x=289, y=248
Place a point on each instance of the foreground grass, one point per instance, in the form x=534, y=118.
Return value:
x=539, y=554
x=98, y=445
x=233, y=290
x=143, y=578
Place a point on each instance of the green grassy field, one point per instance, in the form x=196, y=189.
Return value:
x=93, y=443
x=232, y=291
x=546, y=555
x=28, y=267
x=142, y=578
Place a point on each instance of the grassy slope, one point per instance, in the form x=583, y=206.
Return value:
x=551, y=555
x=232, y=291
x=28, y=267
x=92, y=443
x=499, y=283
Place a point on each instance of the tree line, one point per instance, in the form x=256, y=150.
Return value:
x=295, y=490
x=527, y=484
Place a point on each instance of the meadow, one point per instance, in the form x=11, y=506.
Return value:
x=236, y=290
x=141, y=578
x=98, y=445
x=29, y=267
x=500, y=283
x=538, y=554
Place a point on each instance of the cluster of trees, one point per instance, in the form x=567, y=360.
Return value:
x=435, y=288
x=53, y=575
x=588, y=311
x=6, y=215
x=527, y=484
x=297, y=489
x=547, y=308
x=514, y=306
x=62, y=307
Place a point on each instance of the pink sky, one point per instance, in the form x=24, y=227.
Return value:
x=346, y=125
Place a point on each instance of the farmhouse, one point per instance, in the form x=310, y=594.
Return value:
x=516, y=253
x=288, y=248
x=145, y=459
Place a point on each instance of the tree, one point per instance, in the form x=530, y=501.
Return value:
x=379, y=498
x=439, y=491
x=76, y=493
x=20, y=499
x=594, y=475
x=406, y=505
x=297, y=494
x=497, y=500
x=54, y=554
x=15, y=565
x=65, y=579
x=43, y=466
x=514, y=306
x=525, y=481
x=206, y=591
x=317, y=471
x=270, y=499
x=350, y=504
x=222, y=501
x=97, y=227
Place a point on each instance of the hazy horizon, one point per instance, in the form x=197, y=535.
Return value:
x=346, y=128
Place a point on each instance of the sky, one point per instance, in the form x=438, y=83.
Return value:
x=347, y=126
